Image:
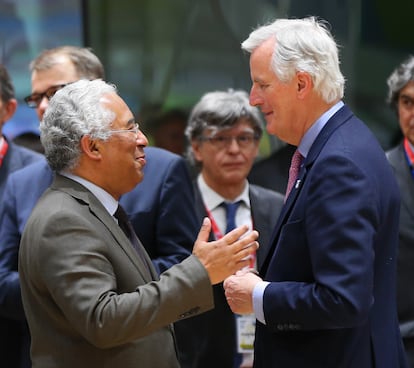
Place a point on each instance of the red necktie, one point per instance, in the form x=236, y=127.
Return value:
x=297, y=159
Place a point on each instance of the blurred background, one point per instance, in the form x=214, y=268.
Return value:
x=163, y=55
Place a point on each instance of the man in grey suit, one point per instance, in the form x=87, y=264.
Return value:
x=91, y=299
x=224, y=132
x=401, y=158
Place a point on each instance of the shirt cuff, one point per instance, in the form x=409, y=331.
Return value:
x=258, y=292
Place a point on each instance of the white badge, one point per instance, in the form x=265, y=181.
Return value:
x=245, y=333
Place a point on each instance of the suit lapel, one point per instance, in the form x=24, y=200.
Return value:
x=82, y=194
x=405, y=179
x=339, y=118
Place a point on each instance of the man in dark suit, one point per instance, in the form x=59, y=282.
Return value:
x=12, y=158
x=401, y=158
x=90, y=292
x=326, y=292
x=161, y=208
x=224, y=132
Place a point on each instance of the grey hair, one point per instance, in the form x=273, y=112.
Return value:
x=398, y=79
x=220, y=110
x=74, y=111
x=304, y=45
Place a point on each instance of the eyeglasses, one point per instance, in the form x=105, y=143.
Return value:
x=223, y=141
x=35, y=99
x=134, y=130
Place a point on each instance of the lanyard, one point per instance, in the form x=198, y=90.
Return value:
x=3, y=149
x=409, y=155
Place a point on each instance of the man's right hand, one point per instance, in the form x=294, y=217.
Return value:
x=225, y=256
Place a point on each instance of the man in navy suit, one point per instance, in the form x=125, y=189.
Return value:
x=326, y=293
x=224, y=132
x=12, y=158
x=161, y=208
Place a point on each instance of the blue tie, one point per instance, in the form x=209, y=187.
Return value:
x=231, y=209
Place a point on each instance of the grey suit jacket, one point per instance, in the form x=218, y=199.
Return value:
x=89, y=299
x=405, y=298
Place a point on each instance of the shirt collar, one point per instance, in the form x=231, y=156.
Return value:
x=315, y=129
x=213, y=200
x=109, y=202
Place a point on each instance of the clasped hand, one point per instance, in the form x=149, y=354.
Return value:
x=239, y=291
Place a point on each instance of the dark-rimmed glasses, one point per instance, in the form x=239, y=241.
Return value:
x=246, y=140
x=35, y=99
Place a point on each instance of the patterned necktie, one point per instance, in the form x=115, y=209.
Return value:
x=231, y=209
x=127, y=228
x=297, y=159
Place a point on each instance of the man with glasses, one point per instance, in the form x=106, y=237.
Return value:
x=91, y=294
x=401, y=157
x=224, y=132
x=161, y=208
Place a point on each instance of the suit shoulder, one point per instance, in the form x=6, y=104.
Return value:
x=155, y=153
x=265, y=193
x=25, y=154
x=35, y=169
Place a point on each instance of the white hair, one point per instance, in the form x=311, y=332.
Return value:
x=304, y=45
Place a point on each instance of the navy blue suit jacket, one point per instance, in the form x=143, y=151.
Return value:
x=15, y=158
x=161, y=209
x=332, y=261
x=10, y=330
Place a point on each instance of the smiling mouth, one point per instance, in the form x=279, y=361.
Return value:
x=141, y=160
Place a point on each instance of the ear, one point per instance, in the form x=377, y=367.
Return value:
x=195, y=146
x=91, y=147
x=304, y=84
x=10, y=109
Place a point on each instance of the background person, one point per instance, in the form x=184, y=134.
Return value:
x=325, y=296
x=224, y=132
x=401, y=157
x=12, y=158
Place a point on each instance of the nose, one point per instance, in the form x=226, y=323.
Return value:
x=233, y=145
x=44, y=103
x=142, y=139
x=254, y=98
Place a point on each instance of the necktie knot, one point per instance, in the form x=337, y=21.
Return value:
x=297, y=159
x=231, y=209
x=121, y=215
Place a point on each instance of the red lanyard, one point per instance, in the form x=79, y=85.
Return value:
x=218, y=235
x=408, y=151
x=3, y=149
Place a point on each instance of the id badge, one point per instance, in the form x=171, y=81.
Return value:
x=246, y=325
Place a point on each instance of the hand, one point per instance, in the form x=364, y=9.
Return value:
x=225, y=256
x=239, y=291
